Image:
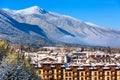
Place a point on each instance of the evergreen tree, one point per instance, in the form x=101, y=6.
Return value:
x=14, y=67
x=4, y=48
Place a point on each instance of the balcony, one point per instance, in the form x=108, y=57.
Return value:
x=75, y=76
x=113, y=73
x=113, y=78
x=87, y=75
x=101, y=73
x=87, y=78
x=75, y=73
x=100, y=78
x=58, y=73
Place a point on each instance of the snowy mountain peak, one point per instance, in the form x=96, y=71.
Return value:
x=53, y=27
x=32, y=10
x=34, y=7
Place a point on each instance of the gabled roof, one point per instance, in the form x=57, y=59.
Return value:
x=48, y=59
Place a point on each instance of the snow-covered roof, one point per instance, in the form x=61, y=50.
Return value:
x=51, y=48
x=49, y=57
x=54, y=53
x=68, y=68
x=80, y=68
x=118, y=64
x=106, y=67
x=117, y=55
x=73, y=64
x=87, y=64
x=99, y=64
x=110, y=64
x=100, y=53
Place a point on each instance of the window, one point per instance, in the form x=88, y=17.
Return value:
x=69, y=74
x=59, y=71
x=81, y=73
x=66, y=74
x=100, y=78
x=95, y=73
x=88, y=78
x=108, y=78
x=113, y=73
x=39, y=72
x=45, y=71
x=87, y=73
x=59, y=76
x=118, y=72
x=70, y=79
x=100, y=73
x=47, y=76
x=107, y=73
x=113, y=78
x=50, y=72
x=95, y=78
x=82, y=78
x=75, y=73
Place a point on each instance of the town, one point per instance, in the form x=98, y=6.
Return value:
x=75, y=63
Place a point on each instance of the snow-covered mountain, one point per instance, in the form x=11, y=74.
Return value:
x=34, y=23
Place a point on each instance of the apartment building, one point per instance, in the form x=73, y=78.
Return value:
x=58, y=71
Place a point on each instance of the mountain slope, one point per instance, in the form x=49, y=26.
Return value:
x=35, y=21
x=24, y=33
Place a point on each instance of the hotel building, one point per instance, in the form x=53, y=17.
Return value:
x=59, y=71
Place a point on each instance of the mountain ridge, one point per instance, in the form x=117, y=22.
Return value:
x=61, y=28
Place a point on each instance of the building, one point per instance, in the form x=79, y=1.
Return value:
x=48, y=71
x=72, y=64
x=39, y=57
x=57, y=71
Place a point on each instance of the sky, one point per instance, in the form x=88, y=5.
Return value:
x=105, y=13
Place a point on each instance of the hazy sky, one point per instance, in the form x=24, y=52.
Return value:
x=101, y=12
